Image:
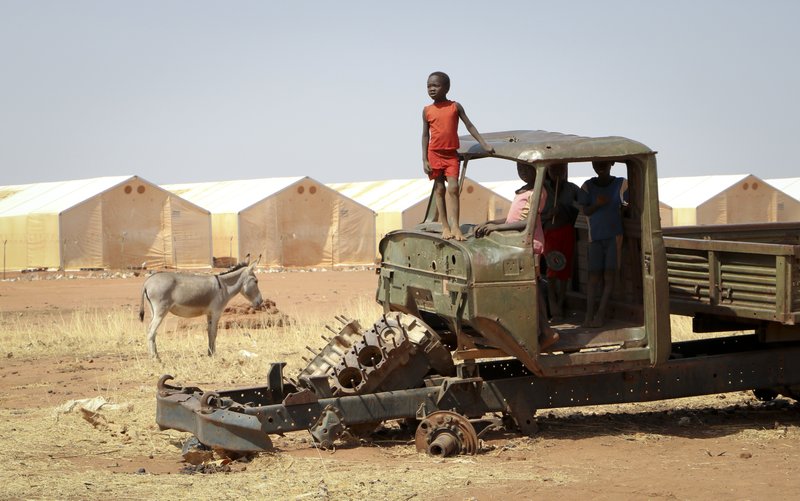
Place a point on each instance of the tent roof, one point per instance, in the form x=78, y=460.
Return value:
x=788, y=185
x=54, y=197
x=533, y=145
x=223, y=197
x=692, y=191
x=507, y=189
x=391, y=195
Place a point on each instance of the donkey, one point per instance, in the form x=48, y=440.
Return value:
x=194, y=295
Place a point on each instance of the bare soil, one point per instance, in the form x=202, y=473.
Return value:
x=728, y=446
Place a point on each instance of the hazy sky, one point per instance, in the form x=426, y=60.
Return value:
x=183, y=91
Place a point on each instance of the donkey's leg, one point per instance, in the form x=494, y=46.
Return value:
x=213, y=323
x=155, y=322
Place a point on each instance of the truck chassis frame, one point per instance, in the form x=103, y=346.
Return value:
x=242, y=419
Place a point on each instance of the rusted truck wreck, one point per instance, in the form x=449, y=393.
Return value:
x=460, y=333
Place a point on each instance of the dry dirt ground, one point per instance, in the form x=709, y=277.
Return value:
x=727, y=446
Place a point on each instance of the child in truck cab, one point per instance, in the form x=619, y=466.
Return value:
x=602, y=199
x=439, y=150
x=517, y=219
x=558, y=222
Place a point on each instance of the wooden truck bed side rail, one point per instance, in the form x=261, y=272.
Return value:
x=746, y=280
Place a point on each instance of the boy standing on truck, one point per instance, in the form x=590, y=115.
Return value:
x=602, y=199
x=439, y=150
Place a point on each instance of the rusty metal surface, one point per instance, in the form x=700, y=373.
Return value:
x=735, y=279
x=785, y=233
x=766, y=249
x=394, y=353
x=446, y=433
x=461, y=284
x=535, y=145
x=330, y=356
x=699, y=368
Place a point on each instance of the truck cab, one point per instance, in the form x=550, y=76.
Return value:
x=482, y=295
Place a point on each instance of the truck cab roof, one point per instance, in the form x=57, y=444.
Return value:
x=537, y=145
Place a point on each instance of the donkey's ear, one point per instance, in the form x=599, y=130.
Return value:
x=247, y=258
x=256, y=262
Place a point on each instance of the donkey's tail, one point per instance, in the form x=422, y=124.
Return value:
x=141, y=304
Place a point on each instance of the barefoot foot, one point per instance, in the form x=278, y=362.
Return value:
x=596, y=322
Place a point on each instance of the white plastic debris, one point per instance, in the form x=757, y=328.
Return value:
x=91, y=405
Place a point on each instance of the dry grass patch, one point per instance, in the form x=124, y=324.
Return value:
x=93, y=353
x=79, y=455
x=90, y=353
x=241, y=351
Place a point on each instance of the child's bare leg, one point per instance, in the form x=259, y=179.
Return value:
x=608, y=285
x=552, y=298
x=591, y=290
x=561, y=295
x=453, y=208
x=441, y=206
x=547, y=335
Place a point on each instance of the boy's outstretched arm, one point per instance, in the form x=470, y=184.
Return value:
x=498, y=225
x=472, y=130
x=426, y=137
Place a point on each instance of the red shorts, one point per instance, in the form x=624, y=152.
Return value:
x=443, y=162
x=560, y=240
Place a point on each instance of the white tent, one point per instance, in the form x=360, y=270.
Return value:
x=401, y=203
x=665, y=212
x=788, y=185
x=725, y=199
x=107, y=222
x=290, y=221
x=507, y=189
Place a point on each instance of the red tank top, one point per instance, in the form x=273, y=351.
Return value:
x=442, y=119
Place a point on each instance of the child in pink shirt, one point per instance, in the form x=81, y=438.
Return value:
x=517, y=219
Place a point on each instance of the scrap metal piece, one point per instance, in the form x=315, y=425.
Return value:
x=209, y=401
x=324, y=361
x=446, y=433
x=383, y=350
x=162, y=385
x=328, y=427
x=195, y=452
x=395, y=353
x=302, y=397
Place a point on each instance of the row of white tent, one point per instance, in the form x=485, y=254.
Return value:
x=127, y=222
x=718, y=199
